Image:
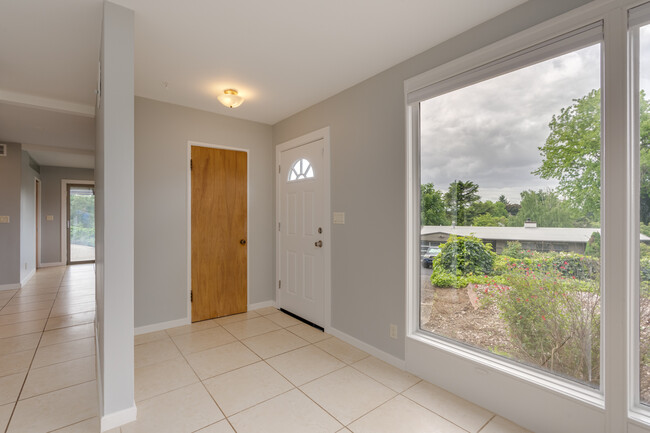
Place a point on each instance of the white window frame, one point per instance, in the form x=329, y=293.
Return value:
x=637, y=17
x=568, y=406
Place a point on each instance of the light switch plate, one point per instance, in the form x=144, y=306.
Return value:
x=338, y=217
x=50, y=218
x=4, y=219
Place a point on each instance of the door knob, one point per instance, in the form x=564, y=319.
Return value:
x=243, y=242
x=319, y=244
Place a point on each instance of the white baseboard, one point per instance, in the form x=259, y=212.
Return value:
x=30, y=275
x=51, y=265
x=161, y=326
x=260, y=305
x=386, y=357
x=98, y=366
x=116, y=419
x=9, y=286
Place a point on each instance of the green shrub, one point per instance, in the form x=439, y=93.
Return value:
x=554, y=320
x=593, y=245
x=575, y=265
x=513, y=249
x=462, y=255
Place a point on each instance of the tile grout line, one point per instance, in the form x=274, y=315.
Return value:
x=201, y=381
x=13, y=411
x=293, y=386
x=485, y=425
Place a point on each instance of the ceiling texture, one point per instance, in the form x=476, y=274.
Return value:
x=282, y=55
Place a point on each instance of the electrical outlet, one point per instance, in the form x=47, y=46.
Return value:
x=393, y=331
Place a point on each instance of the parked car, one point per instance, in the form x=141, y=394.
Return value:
x=429, y=255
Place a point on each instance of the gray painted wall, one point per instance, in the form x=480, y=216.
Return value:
x=114, y=214
x=10, y=205
x=51, y=205
x=27, y=217
x=369, y=180
x=161, y=135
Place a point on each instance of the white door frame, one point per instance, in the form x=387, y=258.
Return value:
x=323, y=134
x=38, y=211
x=64, y=214
x=188, y=205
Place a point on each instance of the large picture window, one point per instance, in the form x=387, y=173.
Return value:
x=510, y=187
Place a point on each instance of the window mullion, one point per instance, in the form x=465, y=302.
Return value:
x=616, y=219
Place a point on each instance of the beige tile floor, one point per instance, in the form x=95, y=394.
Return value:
x=47, y=353
x=260, y=371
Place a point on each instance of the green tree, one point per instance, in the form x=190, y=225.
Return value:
x=571, y=155
x=545, y=208
x=459, y=198
x=432, y=206
x=486, y=209
x=489, y=220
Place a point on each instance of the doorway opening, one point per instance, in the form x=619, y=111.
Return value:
x=80, y=223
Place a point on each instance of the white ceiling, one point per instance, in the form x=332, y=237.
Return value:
x=282, y=55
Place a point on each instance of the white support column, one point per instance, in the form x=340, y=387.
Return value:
x=114, y=175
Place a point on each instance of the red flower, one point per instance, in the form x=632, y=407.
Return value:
x=543, y=318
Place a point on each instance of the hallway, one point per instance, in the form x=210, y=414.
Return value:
x=47, y=353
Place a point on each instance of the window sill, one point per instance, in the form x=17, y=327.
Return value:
x=540, y=379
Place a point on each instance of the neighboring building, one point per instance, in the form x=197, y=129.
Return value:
x=530, y=236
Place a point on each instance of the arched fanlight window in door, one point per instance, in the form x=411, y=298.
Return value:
x=301, y=169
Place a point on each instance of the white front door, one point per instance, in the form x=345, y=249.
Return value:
x=301, y=231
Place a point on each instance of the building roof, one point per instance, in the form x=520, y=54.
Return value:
x=545, y=234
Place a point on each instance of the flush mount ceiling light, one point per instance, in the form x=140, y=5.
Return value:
x=230, y=98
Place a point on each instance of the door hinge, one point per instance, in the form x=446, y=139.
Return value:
x=279, y=284
x=190, y=164
x=279, y=169
x=279, y=226
x=191, y=296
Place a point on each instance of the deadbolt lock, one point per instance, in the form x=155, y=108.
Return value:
x=243, y=242
x=320, y=230
x=319, y=244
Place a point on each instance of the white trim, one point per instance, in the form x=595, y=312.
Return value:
x=4, y=287
x=260, y=305
x=116, y=419
x=38, y=211
x=188, y=206
x=579, y=38
x=324, y=134
x=52, y=264
x=538, y=409
x=582, y=16
x=64, y=213
x=98, y=367
x=27, y=277
x=161, y=326
x=25, y=100
x=372, y=350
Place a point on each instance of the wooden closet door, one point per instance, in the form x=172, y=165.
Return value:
x=219, y=232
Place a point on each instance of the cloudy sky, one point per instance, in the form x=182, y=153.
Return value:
x=490, y=132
